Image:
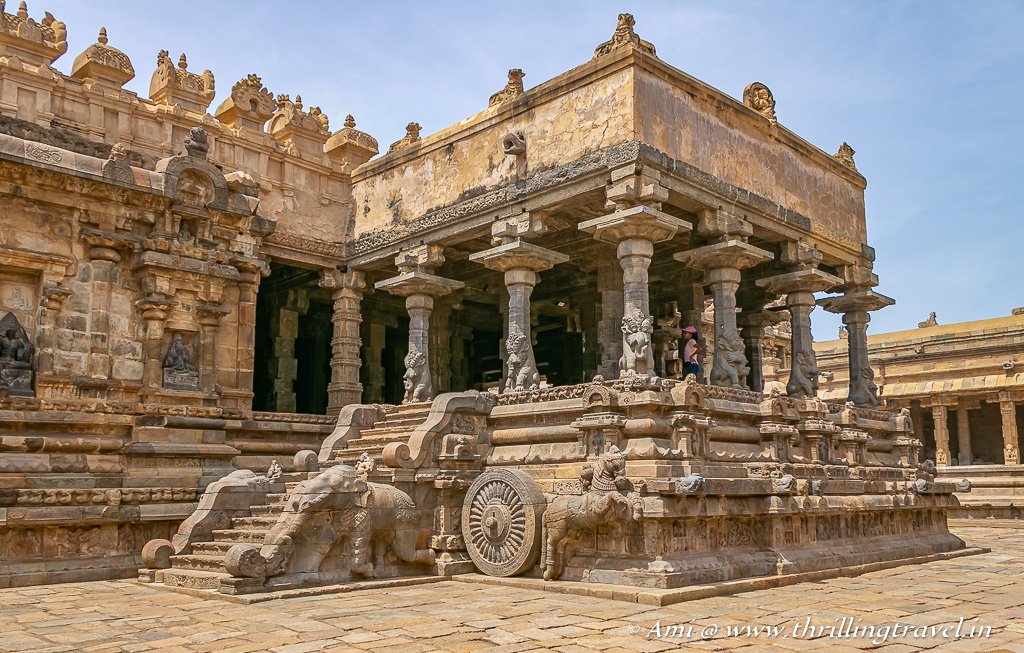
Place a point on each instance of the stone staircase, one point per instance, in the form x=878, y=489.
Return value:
x=203, y=568
x=396, y=427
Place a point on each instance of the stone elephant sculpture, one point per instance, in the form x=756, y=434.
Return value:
x=337, y=504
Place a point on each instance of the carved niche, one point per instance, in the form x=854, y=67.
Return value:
x=179, y=366
x=15, y=358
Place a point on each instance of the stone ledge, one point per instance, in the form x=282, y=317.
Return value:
x=693, y=592
x=248, y=599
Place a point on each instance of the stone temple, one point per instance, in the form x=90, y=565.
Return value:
x=244, y=352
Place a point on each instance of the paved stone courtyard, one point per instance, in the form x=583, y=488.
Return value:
x=984, y=590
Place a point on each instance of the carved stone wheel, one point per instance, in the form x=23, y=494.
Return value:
x=501, y=522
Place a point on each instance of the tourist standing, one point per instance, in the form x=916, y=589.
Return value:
x=692, y=351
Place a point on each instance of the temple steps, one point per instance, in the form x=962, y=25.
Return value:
x=268, y=510
x=212, y=548
x=395, y=427
x=192, y=578
x=199, y=562
x=254, y=523
x=239, y=535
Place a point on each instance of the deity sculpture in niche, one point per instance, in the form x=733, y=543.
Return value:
x=180, y=371
x=15, y=358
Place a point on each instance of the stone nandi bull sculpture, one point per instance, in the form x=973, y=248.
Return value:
x=337, y=504
x=568, y=517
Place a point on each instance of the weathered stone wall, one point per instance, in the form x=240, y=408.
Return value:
x=696, y=124
x=583, y=111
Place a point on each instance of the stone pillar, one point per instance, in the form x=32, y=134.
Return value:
x=520, y=262
x=345, y=387
x=376, y=334
x=459, y=364
x=963, y=435
x=209, y=317
x=284, y=330
x=799, y=287
x=722, y=262
x=634, y=231
x=854, y=306
x=752, y=328
x=419, y=287
x=154, y=311
x=1008, y=411
x=940, y=416
x=104, y=259
x=248, y=287
x=440, y=347
x=609, y=287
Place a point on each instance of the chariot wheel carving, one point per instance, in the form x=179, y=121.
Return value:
x=501, y=522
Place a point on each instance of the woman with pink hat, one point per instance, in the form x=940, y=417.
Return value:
x=691, y=353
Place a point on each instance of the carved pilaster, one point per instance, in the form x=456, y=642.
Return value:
x=1008, y=412
x=940, y=417
x=154, y=311
x=345, y=387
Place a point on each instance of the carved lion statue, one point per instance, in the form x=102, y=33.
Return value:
x=730, y=367
x=522, y=373
x=417, y=383
x=637, y=355
x=804, y=381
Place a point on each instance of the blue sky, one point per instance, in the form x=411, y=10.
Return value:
x=929, y=93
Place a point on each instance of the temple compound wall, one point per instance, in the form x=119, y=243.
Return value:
x=239, y=353
x=963, y=386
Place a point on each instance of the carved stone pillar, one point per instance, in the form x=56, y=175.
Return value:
x=344, y=387
x=634, y=231
x=722, y=263
x=520, y=262
x=799, y=287
x=752, y=328
x=104, y=258
x=1008, y=411
x=854, y=306
x=963, y=436
x=609, y=342
x=248, y=287
x=419, y=287
x=209, y=319
x=154, y=311
x=940, y=417
x=440, y=346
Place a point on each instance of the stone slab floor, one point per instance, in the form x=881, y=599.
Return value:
x=985, y=591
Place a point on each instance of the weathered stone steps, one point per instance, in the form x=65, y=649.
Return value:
x=254, y=523
x=269, y=510
x=239, y=535
x=199, y=562
x=192, y=578
x=212, y=548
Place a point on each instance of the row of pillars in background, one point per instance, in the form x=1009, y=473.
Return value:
x=940, y=416
x=634, y=230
